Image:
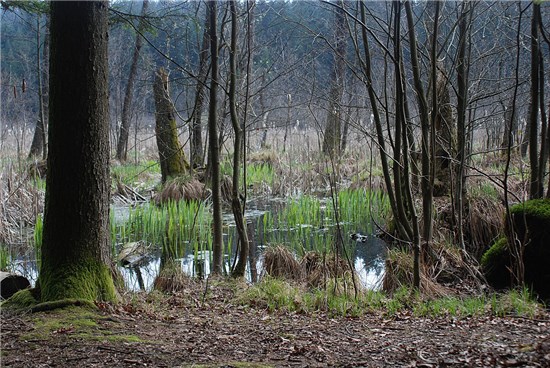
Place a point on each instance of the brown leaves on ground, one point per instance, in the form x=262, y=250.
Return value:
x=195, y=328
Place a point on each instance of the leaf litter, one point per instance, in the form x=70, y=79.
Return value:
x=187, y=330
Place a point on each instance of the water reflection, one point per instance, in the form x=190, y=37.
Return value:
x=368, y=257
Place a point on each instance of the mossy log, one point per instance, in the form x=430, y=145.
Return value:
x=531, y=226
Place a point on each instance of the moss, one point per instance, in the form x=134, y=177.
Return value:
x=531, y=221
x=76, y=322
x=495, y=264
x=21, y=300
x=84, y=280
x=538, y=208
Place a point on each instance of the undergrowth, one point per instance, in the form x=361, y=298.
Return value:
x=275, y=294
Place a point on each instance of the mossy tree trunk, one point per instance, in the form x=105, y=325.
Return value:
x=76, y=250
x=171, y=156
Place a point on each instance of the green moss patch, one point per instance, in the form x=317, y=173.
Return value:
x=495, y=264
x=74, y=322
x=531, y=227
x=85, y=280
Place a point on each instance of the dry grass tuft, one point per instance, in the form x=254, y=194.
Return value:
x=319, y=269
x=280, y=262
x=263, y=157
x=181, y=188
x=484, y=224
x=37, y=169
x=171, y=279
x=399, y=272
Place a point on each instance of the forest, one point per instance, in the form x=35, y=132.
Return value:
x=277, y=183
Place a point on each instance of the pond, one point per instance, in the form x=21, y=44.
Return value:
x=303, y=224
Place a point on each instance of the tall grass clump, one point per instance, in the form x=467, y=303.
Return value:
x=258, y=175
x=361, y=206
x=185, y=226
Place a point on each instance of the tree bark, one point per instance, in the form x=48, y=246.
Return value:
x=122, y=144
x=214, y=146
x=463, y=67
x=333, y=134
x=171, y=156
x=535, y=187
x=426, y=182
x=38, y=145
x=76, y=243
x=197, y=153
x=236, y=205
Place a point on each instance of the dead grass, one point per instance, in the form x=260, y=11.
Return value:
x=280, y=262
x=181, y=188
x=20, y=203
x=171, y=279
x=319, y=269
x=263, y=157
x=399, y=273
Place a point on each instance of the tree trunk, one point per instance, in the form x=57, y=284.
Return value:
x=76, y=243
x=403, y=226
x=236, y=205
x=535, y=187
x=333, y=134
x=463, y=67
x=214, y=147
x=426, y=182
x=38, y=145
x=197, y=154
x=122, y=144
x=172, y=158
x=445, y=134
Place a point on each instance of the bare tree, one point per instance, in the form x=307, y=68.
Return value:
x=213, y=139
x=122, y=143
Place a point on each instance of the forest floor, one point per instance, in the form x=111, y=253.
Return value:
x=183, y=330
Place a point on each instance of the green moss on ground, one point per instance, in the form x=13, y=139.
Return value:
x=75, y=322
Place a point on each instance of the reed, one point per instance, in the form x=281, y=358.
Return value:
x=5, y=258
x=184, y=227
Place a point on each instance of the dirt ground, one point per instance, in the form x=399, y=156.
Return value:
x=183, y=330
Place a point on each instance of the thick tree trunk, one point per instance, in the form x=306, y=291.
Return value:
x=76, y=251
x=122, y=144
x=172, y=158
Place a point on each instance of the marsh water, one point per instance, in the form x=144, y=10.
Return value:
x=301, y=225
